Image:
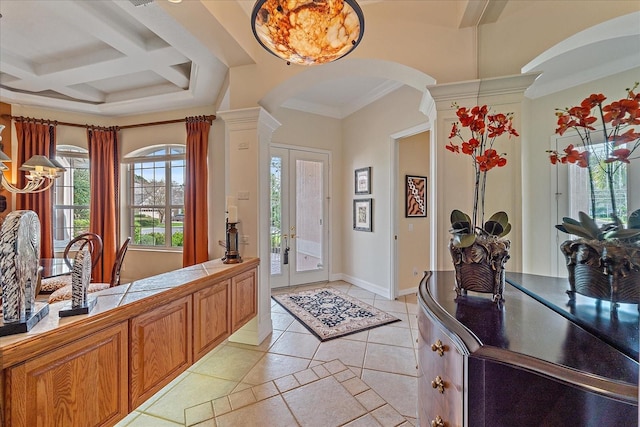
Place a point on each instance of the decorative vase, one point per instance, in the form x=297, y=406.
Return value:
x=480, y=267
x=603, y=270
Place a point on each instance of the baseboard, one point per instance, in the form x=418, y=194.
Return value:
x=409, y=291
x=371, y=287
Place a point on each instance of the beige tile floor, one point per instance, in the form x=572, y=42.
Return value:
x=293, y=379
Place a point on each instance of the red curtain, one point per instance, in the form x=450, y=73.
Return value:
x=104, y=163
x=37, y=138
x=196, y=230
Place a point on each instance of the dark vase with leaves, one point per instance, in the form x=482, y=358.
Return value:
x=478, y=248
x=604, y=261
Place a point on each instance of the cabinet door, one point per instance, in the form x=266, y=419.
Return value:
x=211, y=320
x=80, y=384
x=243, y=299
x=160, y=348
x=440, y=363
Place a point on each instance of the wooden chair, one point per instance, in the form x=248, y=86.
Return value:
x=91, y=241
x=65, y=292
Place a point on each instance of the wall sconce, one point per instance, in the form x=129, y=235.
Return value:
x=41, y=172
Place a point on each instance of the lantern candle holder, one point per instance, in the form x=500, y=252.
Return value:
x=231, y=254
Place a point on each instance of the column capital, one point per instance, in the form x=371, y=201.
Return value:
x=249, y=118
x=494, y=91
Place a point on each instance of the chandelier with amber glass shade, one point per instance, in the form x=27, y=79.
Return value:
x=308, y=32
x=40, y=172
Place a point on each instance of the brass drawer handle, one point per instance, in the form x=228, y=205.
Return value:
x=438, y=422
x=439, y=347
x=438, y=383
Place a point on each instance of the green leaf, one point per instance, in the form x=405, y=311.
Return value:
x=506, y=231
x=623, y=234
x=579, y=231
x=461, y=227
x=590, y=226
x=459, y=216
x=634, y=219
x=463, y=240
x=568, y=220
x=493, y=227
x=561, y=228
x=501, y=218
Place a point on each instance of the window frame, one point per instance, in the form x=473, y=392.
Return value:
x=67, y=152
x=144, y=156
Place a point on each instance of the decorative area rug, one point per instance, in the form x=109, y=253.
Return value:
x=328, y=313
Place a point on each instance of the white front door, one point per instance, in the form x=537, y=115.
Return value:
x=299, y=212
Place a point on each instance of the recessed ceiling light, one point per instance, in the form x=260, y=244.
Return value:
x=175, y=1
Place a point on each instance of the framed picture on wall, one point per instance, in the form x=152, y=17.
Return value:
x=416, y=196
x=362, y=214
x=363, y=181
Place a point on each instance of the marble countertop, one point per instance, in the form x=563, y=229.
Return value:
x=118, y=304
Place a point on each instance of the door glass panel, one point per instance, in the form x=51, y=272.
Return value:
x=276, y=214
x=309, y=211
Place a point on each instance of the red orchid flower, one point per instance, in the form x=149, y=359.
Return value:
x=452, y=147
x=619, y=155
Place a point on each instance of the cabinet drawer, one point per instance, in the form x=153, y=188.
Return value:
x=440, y=364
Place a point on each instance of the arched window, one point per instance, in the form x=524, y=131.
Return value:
x=71, y=195
x=156, y=196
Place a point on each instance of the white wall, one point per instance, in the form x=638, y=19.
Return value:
x=367, y=142
x=540, y=249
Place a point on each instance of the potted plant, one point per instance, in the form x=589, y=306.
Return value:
x=604, y=262
x=478, y=248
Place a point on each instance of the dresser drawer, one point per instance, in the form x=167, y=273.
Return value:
x=441, y=375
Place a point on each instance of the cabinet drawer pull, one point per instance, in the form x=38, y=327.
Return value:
x=439, y=347
x=438, y=422
x=438, y=383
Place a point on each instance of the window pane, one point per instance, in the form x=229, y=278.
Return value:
x=147, y=229
x=177, y=222
x=177, y=182
x=276, y=214
x=580, y=194
x=71, y=196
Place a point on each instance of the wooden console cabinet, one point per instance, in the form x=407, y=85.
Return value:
x=525, y=364
x=93, y=370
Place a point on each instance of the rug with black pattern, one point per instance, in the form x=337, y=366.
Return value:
x=328, y=313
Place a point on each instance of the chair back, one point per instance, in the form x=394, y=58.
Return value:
x=91, y=241
x=117, y=266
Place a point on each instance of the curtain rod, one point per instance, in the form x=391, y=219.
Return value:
x=210, y=118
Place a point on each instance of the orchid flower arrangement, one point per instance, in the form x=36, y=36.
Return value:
x=619, y=121
x=483, y=129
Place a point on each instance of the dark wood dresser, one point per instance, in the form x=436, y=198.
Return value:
x=533, y=362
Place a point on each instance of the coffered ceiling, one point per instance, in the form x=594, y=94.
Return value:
x=123, y=57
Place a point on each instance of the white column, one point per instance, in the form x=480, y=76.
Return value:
x=247, y=137
x=452, y=175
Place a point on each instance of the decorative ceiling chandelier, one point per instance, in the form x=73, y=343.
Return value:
x=41, y=172
x=308, y=32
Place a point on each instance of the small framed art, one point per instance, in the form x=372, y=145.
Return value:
x=363, y=181
x=416, y=196
x=363, y=214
